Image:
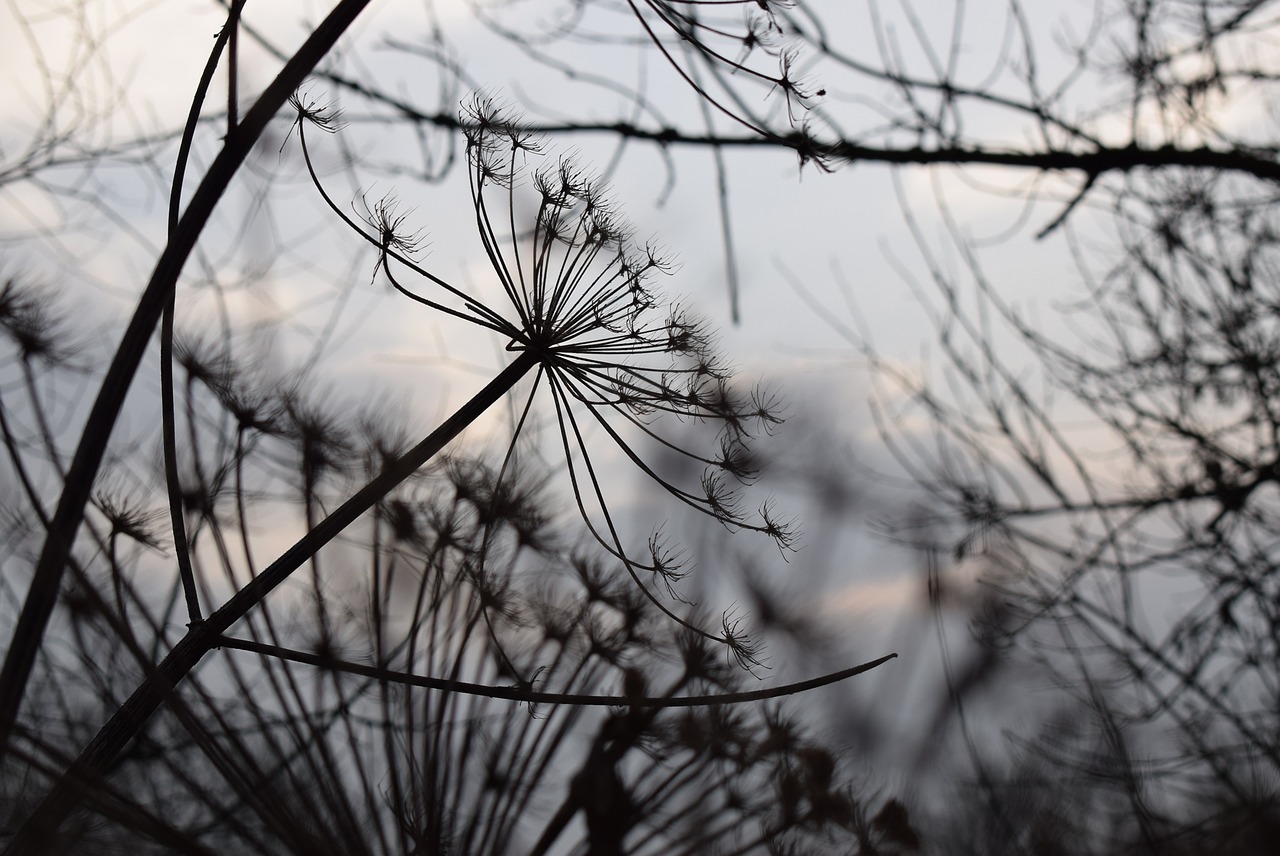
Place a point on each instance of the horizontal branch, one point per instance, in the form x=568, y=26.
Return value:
x=531, y=696
x=1095, y=162
x=1261, y=164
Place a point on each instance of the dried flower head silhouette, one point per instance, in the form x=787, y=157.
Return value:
x=581, y=310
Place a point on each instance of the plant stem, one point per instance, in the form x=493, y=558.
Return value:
x=36, y=834
x=47, y=577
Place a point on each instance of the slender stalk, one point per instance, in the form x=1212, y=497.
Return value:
x=67, y=793
x=47, y=577
x=524, y=694
x=181, y=551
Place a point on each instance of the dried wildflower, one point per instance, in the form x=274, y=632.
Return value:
x=579, y=299
x=32, y=320
x=319, y=114
x=744, y=649
x=388, y=224
x=706, y=34
x=318, y=433
x=795, y=92
x=130, y=518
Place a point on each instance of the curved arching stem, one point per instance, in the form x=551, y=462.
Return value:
x=46, y=580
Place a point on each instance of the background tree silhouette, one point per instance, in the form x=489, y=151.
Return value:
x=1118, y=497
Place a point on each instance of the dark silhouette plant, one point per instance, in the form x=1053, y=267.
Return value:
x=370, y=712
x=188, y=222
x=583, y=317
x=1149, y=109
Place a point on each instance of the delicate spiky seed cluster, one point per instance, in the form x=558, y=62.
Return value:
x=707, y=36
x=30, y=319
x=578, y=286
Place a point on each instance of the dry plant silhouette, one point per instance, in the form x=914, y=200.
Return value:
x=402, y=714
x=322, y=751
x=376, y=710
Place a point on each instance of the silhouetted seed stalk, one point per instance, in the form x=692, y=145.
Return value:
x=582, y=314
x=580, y=301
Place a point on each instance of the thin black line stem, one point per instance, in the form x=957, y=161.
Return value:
x=524, y=694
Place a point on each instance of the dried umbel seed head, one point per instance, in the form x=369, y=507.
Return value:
x=579, y=296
